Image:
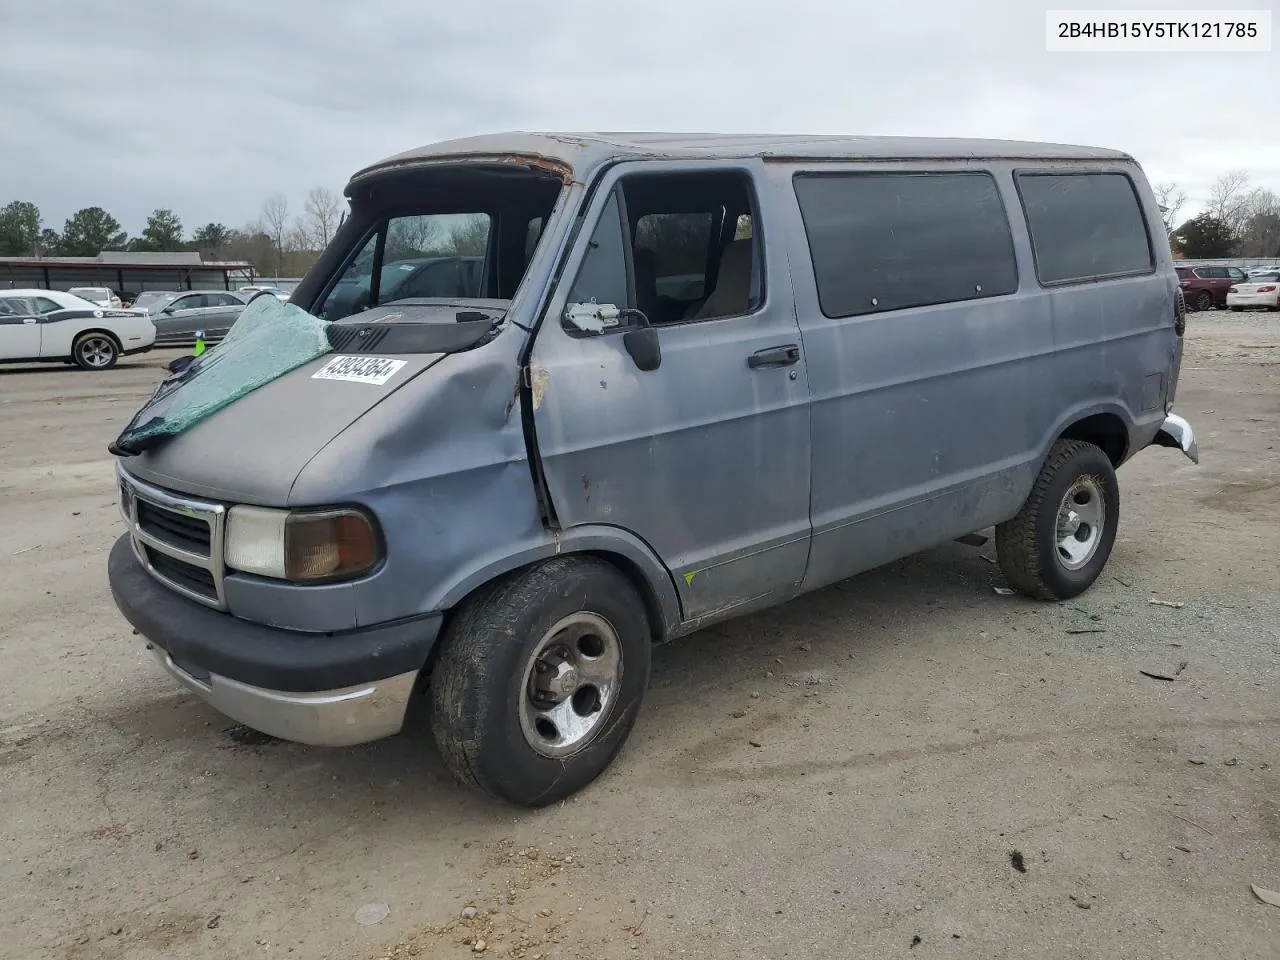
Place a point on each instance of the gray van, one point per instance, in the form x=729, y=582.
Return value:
x=703, y=375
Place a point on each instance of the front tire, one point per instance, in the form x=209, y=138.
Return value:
x=94, y=351
x=1057, y=545
x=540, y=680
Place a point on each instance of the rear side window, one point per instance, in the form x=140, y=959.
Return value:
x=896, y=240
x=1084, y=226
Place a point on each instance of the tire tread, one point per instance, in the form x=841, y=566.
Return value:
x=487, y=619
x=1016, y=539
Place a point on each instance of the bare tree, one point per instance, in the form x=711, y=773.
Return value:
x=1228, y=199
x=275, y=222
x=1171, y=199
x=469, y=237
x=322, y=212
x=1260, y=233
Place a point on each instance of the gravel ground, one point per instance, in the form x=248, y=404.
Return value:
x=859, y=773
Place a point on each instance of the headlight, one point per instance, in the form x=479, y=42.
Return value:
x=303, y=546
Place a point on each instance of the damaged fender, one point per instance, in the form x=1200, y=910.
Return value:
x=1177, y=432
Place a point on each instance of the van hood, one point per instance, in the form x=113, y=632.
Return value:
x=252, y=450
x=241, y=421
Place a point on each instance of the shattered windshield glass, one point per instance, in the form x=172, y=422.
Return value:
x=268, y=339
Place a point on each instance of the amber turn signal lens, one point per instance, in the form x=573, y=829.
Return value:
x=329, y=545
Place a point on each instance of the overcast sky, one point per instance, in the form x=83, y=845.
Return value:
x=207, y=106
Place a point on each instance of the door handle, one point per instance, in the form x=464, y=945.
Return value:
x=775, y=357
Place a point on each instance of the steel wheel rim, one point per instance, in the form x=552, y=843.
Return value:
x=97, y=351
x=569, y=685
x=1081, y=517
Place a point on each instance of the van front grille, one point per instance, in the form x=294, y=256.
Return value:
x=177, y=538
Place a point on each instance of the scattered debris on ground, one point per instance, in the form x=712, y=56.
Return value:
x=372, y=913
x=1266, y=896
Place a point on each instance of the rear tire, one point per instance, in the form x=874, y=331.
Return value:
x=540, y=680
x=1203, y=300
x=1057, y=545
x=95, y=351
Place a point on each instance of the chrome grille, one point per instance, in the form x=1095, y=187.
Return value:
x=177, y=538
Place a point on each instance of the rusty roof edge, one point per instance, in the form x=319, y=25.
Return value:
x=531, y=160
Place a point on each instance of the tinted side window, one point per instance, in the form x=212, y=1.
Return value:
x=891, y=241
x=45, y=305
x=1084, y=226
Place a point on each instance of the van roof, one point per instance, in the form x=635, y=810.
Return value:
x=578, y=153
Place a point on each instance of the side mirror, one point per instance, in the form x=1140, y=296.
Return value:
x=643, y=346
x=641, y=341
x=179, y=364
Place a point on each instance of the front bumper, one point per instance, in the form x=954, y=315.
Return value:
x=326, y=718
x=327, y=689
x=1177, y=432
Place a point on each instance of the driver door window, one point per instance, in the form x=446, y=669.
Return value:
x=686, y=253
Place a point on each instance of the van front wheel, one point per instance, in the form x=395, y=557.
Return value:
x=540, y=680
x=1057, y=545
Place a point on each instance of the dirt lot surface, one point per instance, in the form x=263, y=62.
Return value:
x=847, y=776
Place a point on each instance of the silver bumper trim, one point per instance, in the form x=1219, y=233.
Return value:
x=328, y=718
x=1177, y=432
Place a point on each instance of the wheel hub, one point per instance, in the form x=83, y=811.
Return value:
x=1078, y=530
x=556, y=682
x=572, y=679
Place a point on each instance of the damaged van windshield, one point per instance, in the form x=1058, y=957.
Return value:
x=435, y=279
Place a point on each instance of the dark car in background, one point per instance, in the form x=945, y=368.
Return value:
x=1205, y=287
x=427, y=277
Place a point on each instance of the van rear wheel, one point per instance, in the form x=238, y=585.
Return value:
x=1057, y=545
x=540, y=680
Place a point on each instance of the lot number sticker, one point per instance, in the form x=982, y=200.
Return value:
x=374, y=370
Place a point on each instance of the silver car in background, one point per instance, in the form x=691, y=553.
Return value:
x=179, y=315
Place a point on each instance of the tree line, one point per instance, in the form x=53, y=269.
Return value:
x=277, y=243
x=1239, y=220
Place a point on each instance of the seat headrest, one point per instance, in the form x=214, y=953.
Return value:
x=732, y=295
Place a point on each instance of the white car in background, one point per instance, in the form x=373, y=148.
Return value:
x=254, y=289
x=50, y=325
x=102, y=296
x=1260, y=292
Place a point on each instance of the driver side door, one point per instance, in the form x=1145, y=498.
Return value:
x=705, y=458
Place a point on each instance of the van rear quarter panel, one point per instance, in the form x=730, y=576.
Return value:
x=932, y=422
